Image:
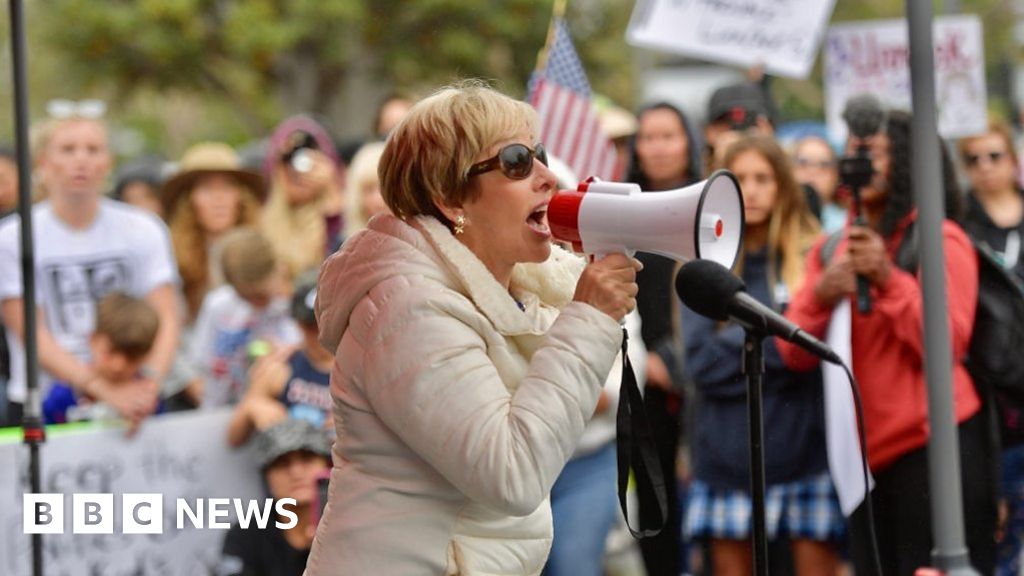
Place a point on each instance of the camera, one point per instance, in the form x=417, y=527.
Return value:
x=856, y=171
x=298, y=153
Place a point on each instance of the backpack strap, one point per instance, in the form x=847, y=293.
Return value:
x=906, y=254
x=828, y=249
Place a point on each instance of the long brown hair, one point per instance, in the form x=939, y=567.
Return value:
x=791, y=227
x=191, y=249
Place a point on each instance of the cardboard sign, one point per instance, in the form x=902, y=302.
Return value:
x=874, y=57
x=177, y=456
x=781, y=35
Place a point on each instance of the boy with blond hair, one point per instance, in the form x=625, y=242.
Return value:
x=250, y=311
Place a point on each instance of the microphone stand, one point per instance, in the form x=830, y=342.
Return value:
x=753, y=367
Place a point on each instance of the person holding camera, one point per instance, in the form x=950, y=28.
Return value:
x=304, y=212
x=469, y=351
x=887, y=346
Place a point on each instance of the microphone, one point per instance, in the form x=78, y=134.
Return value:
x=864, y=115
x=711, y=290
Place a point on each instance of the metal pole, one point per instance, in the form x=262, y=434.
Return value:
x=950, y=553
x=32, y=429
x=753, y=367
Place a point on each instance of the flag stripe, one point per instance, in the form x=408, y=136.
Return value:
x=570, y=127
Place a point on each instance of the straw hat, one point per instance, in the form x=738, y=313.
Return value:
x=209, y=158
x=617, y=122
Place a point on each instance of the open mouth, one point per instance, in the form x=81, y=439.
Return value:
x=538, y=221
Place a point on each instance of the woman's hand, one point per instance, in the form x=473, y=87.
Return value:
x=609, y=284
x=868, y=255
x=837, y=282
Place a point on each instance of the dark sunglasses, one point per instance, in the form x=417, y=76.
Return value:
x=515, y=161
x=993, y=157
x=813, y=163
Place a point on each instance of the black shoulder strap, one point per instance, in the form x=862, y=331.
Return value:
x=636, y=451
x=906, y=255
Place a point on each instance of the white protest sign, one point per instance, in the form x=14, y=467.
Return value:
x=781, y=35
x=176, y=456
x=874, y=56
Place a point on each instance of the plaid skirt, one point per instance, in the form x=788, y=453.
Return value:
x=807, y=510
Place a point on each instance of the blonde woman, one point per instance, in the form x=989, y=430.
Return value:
x=469, y=353
x=362, y=188
x=801, y=503
x=209, y=196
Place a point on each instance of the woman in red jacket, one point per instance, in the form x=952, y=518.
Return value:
x=887, y=353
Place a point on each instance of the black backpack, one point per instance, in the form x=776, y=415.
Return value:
x=995, y=358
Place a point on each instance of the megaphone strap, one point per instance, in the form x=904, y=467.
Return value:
x=636, y=451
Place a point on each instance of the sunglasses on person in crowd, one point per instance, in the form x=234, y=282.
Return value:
x=993, y=157
x=515, y=161
x=62, y=109
x=804, y=162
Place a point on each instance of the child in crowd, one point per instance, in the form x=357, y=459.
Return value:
x=289, y=383
x=126, y=328
x=251, y=309
x=292, y=454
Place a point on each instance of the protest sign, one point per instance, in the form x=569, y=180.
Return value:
x=781, y=35
x=176, y=456
x=873, y=57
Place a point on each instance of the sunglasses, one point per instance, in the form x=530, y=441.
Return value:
x=812, y=163
x=975, y=159
x=515, y=161
x=62, y=109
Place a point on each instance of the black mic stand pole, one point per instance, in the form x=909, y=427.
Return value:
x=33, y=432
x=753, y=367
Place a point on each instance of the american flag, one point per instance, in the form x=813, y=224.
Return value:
x=569, y=126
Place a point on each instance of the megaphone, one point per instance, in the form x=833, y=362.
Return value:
x=701, y=221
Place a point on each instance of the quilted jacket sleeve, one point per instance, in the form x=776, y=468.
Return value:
x=428, y=376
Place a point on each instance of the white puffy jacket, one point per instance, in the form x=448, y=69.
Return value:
x=455, y=409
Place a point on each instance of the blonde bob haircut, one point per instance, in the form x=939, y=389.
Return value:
x=428, y=155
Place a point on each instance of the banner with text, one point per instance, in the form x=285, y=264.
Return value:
x=781, y=35
x=176, y=456
x=874, y=57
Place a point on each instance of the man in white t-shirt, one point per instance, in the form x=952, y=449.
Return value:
x=85, y=247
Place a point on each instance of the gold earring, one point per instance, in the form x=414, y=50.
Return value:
x=460, y=224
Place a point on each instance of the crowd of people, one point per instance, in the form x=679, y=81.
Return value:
x=458, y=359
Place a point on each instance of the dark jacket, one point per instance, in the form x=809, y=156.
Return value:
x=794, y=428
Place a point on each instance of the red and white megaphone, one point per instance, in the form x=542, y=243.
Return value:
x=701, y=221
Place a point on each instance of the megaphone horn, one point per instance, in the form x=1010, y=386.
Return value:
x=701, y=221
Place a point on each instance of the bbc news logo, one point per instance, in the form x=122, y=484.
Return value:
x=143, y=513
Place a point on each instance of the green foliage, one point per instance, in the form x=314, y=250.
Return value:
x=181, y=70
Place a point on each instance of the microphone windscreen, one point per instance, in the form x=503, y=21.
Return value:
x=707, y=287
x=864, y=115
